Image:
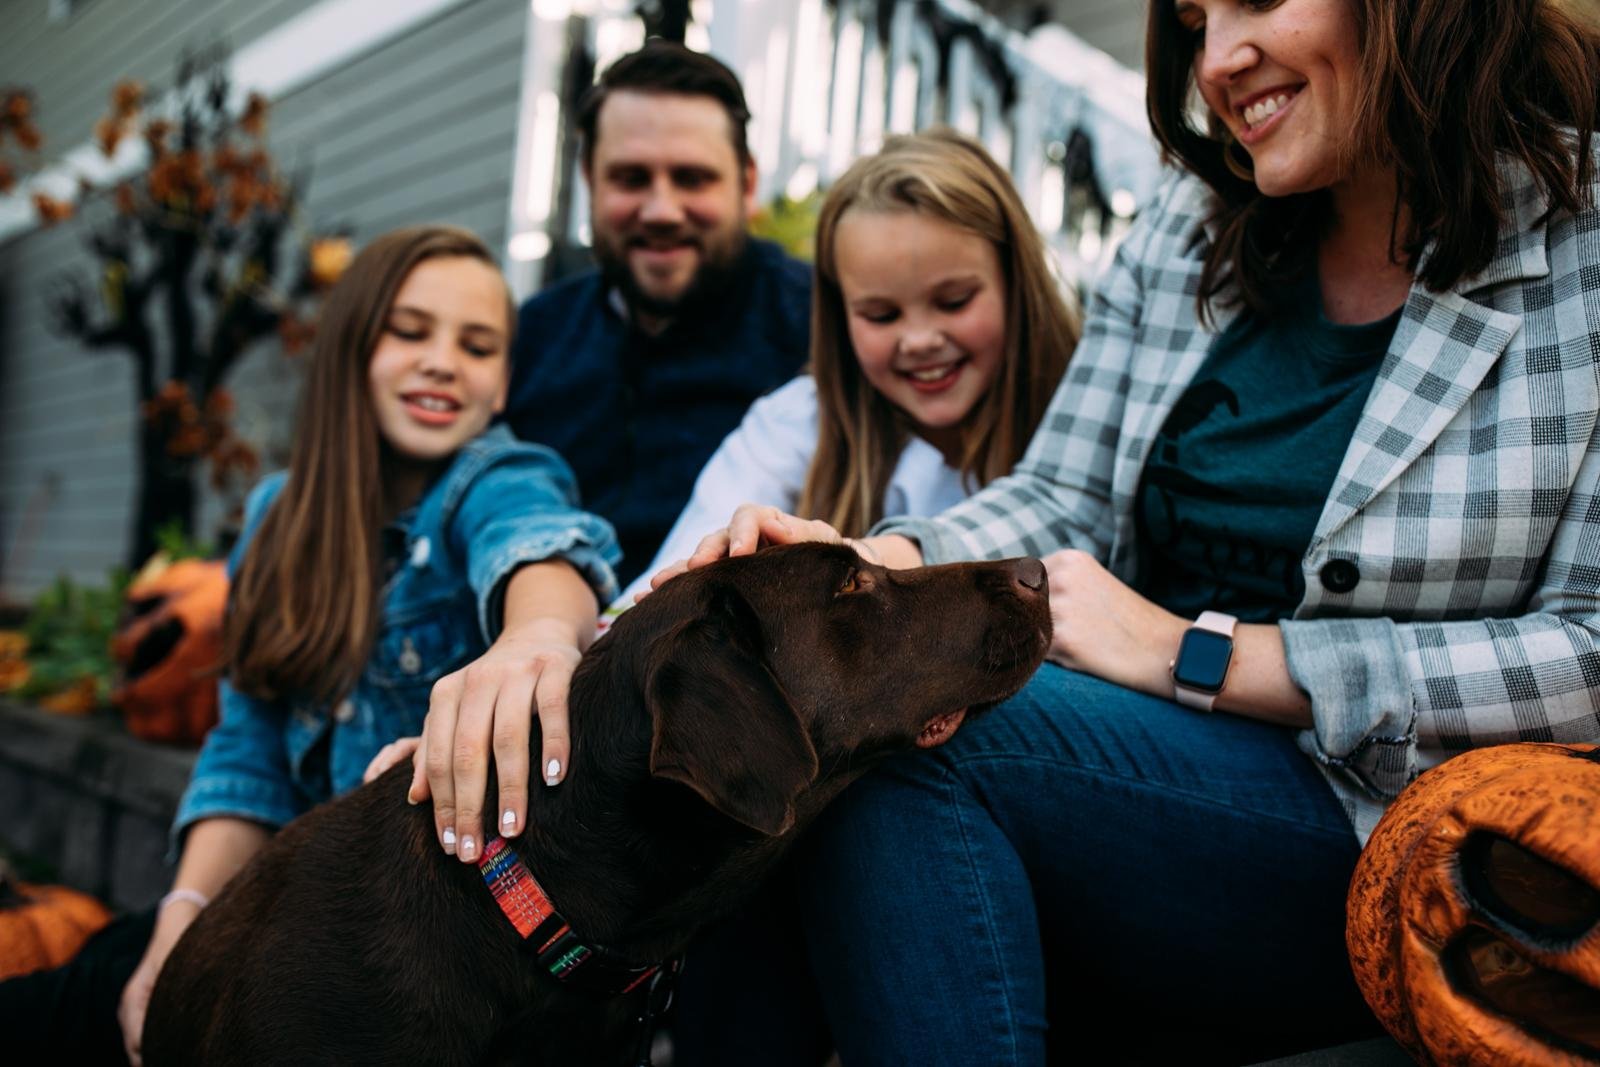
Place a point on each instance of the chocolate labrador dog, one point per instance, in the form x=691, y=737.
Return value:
x=713, y=721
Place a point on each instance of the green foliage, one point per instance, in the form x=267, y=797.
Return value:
x=69, y=631
x=176, y=544
x=791, y=223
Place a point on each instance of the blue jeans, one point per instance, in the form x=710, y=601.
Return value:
x=1135, y=859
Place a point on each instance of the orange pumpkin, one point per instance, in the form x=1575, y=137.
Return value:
x=43, y=926
x=1473, y=919
x=14, y=674
x=169, y=646
x=13, y=644
x=14, y=670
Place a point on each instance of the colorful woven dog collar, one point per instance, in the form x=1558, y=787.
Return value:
x=525, y=903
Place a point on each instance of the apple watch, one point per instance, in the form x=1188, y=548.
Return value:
x=1204, y=656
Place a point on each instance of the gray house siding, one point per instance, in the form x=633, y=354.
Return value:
x=422, y=128
x=71, y=64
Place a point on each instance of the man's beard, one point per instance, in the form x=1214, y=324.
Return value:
x=712, y=277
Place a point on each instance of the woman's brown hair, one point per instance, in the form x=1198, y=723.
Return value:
x=1448, y=89
x=860, y=435
x=303, y=612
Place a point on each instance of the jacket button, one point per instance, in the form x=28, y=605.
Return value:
x=1340, y=576
x=345, y=711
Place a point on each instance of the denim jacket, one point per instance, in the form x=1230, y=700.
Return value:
x=502, y=503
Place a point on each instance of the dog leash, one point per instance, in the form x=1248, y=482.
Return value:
x=658, y=998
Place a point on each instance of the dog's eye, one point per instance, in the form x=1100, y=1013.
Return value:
x=854, y=582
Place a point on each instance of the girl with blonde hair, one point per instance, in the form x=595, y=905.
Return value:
x=939, y=332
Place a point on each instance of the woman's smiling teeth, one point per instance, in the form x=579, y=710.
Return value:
x=432, y=403
x=1264, y=109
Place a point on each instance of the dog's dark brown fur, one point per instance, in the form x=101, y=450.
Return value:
x=715, y=719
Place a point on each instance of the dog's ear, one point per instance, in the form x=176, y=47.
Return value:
x=723, y=725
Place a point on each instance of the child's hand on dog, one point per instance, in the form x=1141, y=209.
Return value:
x=485, y=708
x=752, y=526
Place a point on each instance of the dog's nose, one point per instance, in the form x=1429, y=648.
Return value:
x=1028, y=573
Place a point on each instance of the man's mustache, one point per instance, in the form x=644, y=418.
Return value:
x=666, y=239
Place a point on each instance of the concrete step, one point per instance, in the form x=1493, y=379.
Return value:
x=82, y=797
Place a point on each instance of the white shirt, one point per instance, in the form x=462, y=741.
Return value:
x=764, y=461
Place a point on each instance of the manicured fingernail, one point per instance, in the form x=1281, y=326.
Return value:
x=552, y=772
x=469, y=849
x=449, y=841
x=410, y=797
x=508, y=822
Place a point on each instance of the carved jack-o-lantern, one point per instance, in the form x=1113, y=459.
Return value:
x=169, y=646
x=1474, y=913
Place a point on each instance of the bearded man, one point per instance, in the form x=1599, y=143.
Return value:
x=637, y=370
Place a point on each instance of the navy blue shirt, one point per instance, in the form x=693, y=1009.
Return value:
x=1241, y=470
x=638, y=416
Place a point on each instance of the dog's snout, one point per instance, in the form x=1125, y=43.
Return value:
x=1029, y=574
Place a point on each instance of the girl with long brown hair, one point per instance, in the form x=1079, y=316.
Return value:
x=404, y=548
x=1317, y=501
x=938, y=334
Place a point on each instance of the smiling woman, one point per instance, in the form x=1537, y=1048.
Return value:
x=1255, y=63
x=1316, y=498
x=1410, y=105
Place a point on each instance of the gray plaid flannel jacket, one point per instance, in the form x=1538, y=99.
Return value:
x=1466, y=502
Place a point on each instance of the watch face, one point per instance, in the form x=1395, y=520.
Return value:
x=1203, y=660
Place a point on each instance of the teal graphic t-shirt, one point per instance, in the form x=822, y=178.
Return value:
x=1236, y=482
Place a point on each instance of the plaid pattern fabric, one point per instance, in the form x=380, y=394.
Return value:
x=1466, y=502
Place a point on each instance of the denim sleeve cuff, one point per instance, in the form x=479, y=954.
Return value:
x=573, y=545
x=1364, y=716
x=938, y=545
x=273, y=804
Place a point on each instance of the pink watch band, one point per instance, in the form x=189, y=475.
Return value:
x=1216, y=622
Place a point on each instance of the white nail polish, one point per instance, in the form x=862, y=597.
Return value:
x=508, y=821
x=450, y=840
x=468, y=848
x=552, y=772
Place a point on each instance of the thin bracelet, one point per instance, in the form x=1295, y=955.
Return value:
x=193, y=896
x=863, y=549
